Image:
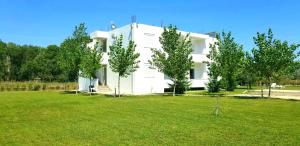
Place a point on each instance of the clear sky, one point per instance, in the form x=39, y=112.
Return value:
x=43, y=23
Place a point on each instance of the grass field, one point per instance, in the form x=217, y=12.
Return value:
x=52, y=118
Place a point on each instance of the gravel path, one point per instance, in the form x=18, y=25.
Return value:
x=282, y=94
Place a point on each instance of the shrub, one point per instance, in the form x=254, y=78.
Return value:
x=181, y=86
x=44, y=87
x=57, y=87
x=36, y=87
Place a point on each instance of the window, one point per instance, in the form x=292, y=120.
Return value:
x=101, y=45
x=104, y=45
x=192, y=73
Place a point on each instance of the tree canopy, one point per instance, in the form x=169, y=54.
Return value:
x=174, y=59
x=272, y=57
x=227, y=56
x=123, y=60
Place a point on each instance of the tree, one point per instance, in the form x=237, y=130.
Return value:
x=213, y=70
x=19, y=58
x=296, y=74
x=68, y=60
x=123, y=60
x=90, y=63
x=174, y=59
x=247, y=72
x=229, y=55
x=47, y=62
x=272, y=58
x=71, y=52
x=3, y=61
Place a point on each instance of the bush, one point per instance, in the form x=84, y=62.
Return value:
x=23, y=87
x=181, y=86
x=213, y=86
x=36, y=87
x=57, y=87
x=44, y=87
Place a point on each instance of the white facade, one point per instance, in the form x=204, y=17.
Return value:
x=146, y=80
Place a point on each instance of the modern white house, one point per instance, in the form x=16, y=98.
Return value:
x=145, y=80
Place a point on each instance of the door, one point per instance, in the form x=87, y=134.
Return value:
x=103, y=76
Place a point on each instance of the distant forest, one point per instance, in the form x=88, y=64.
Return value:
x=27, y=62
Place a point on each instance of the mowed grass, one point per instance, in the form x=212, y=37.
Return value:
x=53, y=118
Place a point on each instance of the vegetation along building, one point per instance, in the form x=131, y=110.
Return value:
x=146, y=79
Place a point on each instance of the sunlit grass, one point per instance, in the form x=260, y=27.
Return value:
x=52, y=118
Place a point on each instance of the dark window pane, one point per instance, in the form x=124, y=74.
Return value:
x=192, y=74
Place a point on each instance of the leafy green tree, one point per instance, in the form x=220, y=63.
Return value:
x=272, y=58
x=47, y=62
x=247, y=72
x=71, y=51
x=296, y=74
x=229, y=56
x=122, y=60
x=213, y=70
x=90, y=63
x=68, y=60
x=19, y=56
x=174, y=59
x=3, y=61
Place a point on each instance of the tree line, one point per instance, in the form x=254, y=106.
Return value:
x=27, y=62
x=269, y=61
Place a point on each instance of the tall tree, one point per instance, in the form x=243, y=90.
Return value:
x=272, y=58
x=90, y=63
x=71, y=51
x=47, y=64
x=19, y=57
x=229, y=56
x=213, y=70
x=247, y=73
x=122, y=60
x=174, y=59
x=3, y=61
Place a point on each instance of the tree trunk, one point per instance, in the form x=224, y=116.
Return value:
x=270, y=87
x=250, y=87
x=90, y=87
x=174, y=88
x=65, y=85
x=262, y=90
x=119, y=85
x=217, y=108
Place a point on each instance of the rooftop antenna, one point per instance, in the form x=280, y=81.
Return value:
x=112, y=25
x=133, y=19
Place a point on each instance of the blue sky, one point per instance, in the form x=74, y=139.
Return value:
x=43, y=23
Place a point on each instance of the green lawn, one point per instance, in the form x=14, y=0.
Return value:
x=52, y=118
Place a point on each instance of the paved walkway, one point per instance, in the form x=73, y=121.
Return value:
x=275, y=93
x=272, y=96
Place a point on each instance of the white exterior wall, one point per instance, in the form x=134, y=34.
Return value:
x=146, y=80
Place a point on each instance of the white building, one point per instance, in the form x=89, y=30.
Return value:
x=145, y=80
